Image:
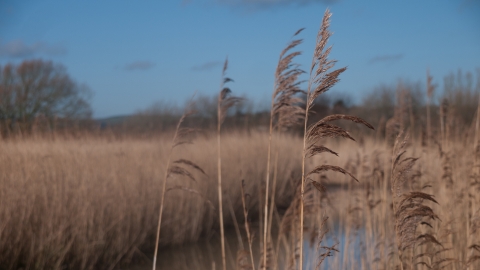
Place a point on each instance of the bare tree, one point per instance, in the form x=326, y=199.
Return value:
x=40, y=88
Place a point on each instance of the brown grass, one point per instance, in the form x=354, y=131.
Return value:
x=87, y=203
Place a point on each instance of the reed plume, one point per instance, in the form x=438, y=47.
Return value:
x=321, y=80
x=225, y=101
x=178, y=167
x=284, y=112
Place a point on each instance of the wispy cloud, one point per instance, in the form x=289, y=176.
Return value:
x=139, y=65
x=267, y=4
x=19, y=49
x=466, y=4
x=387, y=58
x=207, y=66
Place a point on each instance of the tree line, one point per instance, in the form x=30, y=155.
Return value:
x=38, y=95
x=406, y=101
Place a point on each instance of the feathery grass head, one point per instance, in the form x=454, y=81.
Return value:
x=184, y=135
x=286, y=107
x=321, y=80
x=225, y=100
x=181, y=136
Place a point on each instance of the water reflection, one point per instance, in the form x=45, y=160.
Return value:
x=202, y=255
x=206, y=254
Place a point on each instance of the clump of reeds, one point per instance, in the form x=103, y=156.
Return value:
x=225, y=101
x=178, y=167
x=409, y=208
x=321, y=80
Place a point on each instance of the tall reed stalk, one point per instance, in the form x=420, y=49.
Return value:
x=321, y=80
x=247, y=226
x=430, y=91
x=284, y=112
x=224, y=103
x=181, y=136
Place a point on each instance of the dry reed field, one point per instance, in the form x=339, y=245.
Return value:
x=89, y=204
x=337, y=195
x=93, y=202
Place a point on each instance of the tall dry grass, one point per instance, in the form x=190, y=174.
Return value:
x=87, y=203
x=322, y=79
x=179, y=167
x=225, y=102
x=285, y=111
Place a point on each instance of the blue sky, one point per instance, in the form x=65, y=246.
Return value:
x=134, y=53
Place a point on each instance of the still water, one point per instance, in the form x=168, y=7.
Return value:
x=206, y=254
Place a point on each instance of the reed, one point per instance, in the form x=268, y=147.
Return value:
x=181, y=136
x=247, y=226
x=284, y=112
x=409, y=208
x=321, y=80
x=430, y=92
x=224, y=103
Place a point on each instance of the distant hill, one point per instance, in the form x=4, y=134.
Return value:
x=113, y=120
